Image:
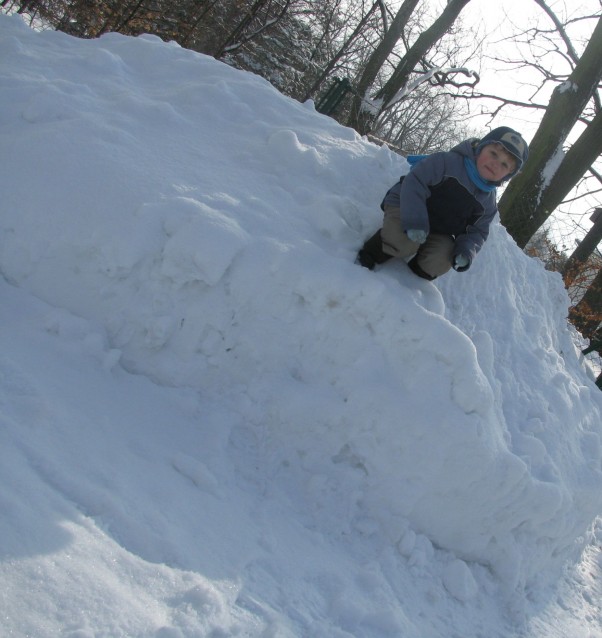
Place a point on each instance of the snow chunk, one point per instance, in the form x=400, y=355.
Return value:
x=552, y=166
x=567, y=85
x=459, y=581
x=202, y=242
x=292, y=154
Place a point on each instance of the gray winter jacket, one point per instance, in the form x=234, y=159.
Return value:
x=438, y=196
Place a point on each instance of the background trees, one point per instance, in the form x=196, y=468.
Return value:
x=386, y=96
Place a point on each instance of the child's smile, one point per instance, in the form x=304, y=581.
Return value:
x=494, y=162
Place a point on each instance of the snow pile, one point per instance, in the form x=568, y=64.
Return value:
x=188, y=223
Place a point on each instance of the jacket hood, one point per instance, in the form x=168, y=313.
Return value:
x=466, y=148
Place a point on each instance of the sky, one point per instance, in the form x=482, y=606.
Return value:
x=214, y=423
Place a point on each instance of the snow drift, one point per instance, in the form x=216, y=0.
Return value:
x=207, y=225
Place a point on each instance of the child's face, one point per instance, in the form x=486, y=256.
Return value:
x=494, y=162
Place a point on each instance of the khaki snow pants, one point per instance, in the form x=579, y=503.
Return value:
x=435, y=256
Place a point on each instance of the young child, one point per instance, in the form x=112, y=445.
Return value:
x=441, y=210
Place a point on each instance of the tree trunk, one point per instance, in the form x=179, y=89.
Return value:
x=328, y=68
x=581, y=254
x=532, y=195
x=587, y=314
x=408, y=63
x=240, y=28
x=377, y=59
x=119, y=21
x=196, y=17
x=582, y=154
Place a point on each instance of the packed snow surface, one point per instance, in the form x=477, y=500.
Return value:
x=214, y=423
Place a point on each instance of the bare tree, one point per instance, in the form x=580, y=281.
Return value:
x=551, y=173
x=261, y=15
x=343, y=49
x=587, y=313
x=425, y=122
x=377, y=59
x=576, y=262
x=385, y=97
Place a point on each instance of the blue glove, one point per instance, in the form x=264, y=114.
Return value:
x=461, y=263
x=417, y=236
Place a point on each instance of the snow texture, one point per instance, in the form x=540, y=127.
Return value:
x=215, y=424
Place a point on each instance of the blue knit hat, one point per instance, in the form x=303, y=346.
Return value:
x=511, y=140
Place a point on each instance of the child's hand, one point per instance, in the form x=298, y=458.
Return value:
x=461, y=263
x=417, y=236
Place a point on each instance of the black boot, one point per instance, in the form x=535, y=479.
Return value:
x=372, y=253
x=417, y=270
